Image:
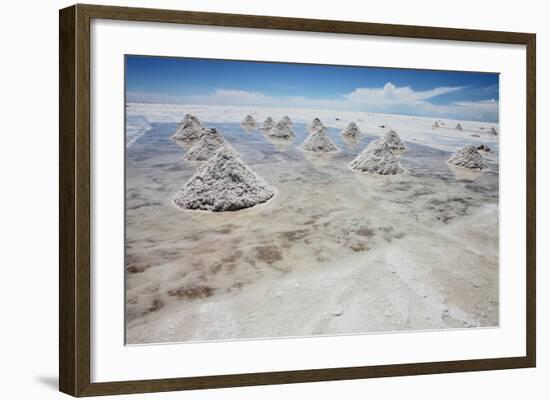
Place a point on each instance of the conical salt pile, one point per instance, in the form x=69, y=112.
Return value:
x=458, y=127
x=268, y=124
x=280, y=131
x=206, y=146
x=468, y=157
x=287, y=121
x=352, y=131
x=319, y=141
x=315, y=125
x=493, y=131
x=377, y=158
x=190, y=129
x=248, y=123
x=223, y=183
x=394, y=142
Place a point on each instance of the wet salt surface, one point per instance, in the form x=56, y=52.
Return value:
x=334, y=252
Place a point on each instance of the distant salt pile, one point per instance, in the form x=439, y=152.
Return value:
x=223, y=183
x=248, y=123
x=468, y=157
x=209, y=142
x=315, y=125
x=458, y=127
x=189, y=130
x=377, y=158
x=287, y=121
x=352, y=131
x=493, y=131
x=280, y=131
x=268, y=124
x=436, y=125
x=394, y=141
x=319, y=141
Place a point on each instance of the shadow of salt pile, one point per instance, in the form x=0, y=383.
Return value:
x=280, y=144
x=319, y=160
x=463, y=174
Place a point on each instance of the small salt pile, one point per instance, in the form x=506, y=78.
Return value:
x=206, y=146
x=315, y=125
x=223, y=183
x=468, y=157
x=319, y=141
x=394, y=141
x=436, y=125
x=493, y=131
x=280, y=131
x=268, y=124
x=287, y=121
x=352, y=131
x=377, y=158
x=458, y=127
x=189, y=130
x=248, y=123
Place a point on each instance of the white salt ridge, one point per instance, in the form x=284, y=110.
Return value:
x=315, y=125
x=319, y=141
x=351, y=131
x=280, y=131
x=268, y=124
x=377, y=158
x=249, y=123
x=209, y=141
x=188, y=130
x=394, y=141
x=468, y=157
x=223, y=183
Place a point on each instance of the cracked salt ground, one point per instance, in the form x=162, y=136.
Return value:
x=333, y=252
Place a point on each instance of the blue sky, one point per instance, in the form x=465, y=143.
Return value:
x=444, y=94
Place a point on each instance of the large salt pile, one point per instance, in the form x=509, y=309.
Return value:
x=223, y=183
x=280, y=131
x=468, y=157
x=268, y=124
x=287, y=121
x=458, y=127
x=352, y=131
x=315, y=125
x=189, y=130
x=394, y=141
x=319, y=141
x=209, y=141
x=377, y=158
x=248, y=123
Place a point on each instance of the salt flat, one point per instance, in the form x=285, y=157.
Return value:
x=334, y=252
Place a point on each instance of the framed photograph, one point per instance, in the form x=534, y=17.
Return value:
x=249, y=200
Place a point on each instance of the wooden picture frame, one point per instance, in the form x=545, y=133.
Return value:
x=74, y=199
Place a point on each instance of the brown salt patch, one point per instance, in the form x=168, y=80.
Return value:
x=294, y=235
x=192, y=292
x=135, y=265
x=269, y=254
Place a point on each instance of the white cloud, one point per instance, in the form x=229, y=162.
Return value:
x=388, y=99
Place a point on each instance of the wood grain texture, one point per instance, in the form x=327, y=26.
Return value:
x=74, y=199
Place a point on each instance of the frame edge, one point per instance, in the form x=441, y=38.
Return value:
x=67, y=266
x=74, y=200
